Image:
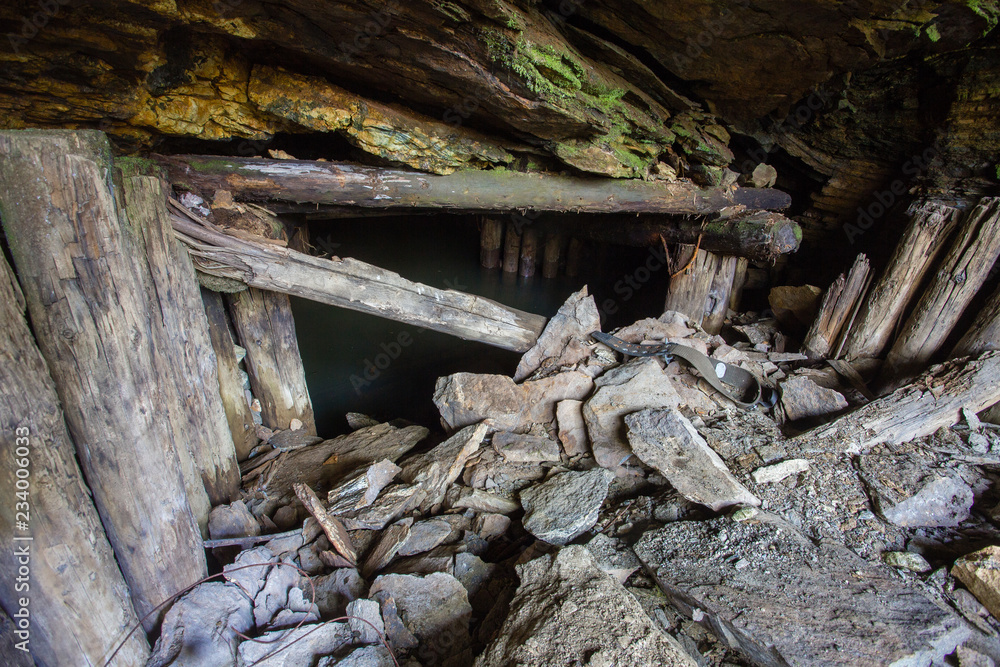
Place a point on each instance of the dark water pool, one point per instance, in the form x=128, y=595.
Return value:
x=361, y=363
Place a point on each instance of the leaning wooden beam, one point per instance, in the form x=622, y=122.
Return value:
x=266, y=329
x=75, y=583
x=356, y=285
x=836, y=308
x=255, y=179
x=984, y=334
x=934, y=400
x=98, y=319
x=961, y=274
x=918, y=248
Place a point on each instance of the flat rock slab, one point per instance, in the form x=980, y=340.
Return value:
x=566, y=611
x=636, y=385
x=300, y=646
x=980, y=572
x=566, y=505
x=200, y=628
x=435, y=609
x=802, y=398
x=769, y=592
x=667, y=441
x=517, y=448
x=569, y=328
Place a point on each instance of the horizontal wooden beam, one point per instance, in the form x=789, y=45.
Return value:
x=355, y=285
x=260, y=180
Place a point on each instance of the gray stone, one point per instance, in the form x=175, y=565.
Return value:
x=365, y=619
x=298, y=646
x=802, y=398
x=766, y=590
x=491, y=526
x=366, y=656
x=666, y=441
x=569, y=328
x=249, y=570
x=941, y=501
x=566, y=611
x=613, y=556
x=395, y=501
x=518, y=448
x=281, y=592
x=566, y=505
x=233, y=520
x=492, y=472
x=906, y=560
x=424, y=536
x=435, y=609
x=335, y=591
x=483, y=501
x=543, y=395
x=779, y=471
x=636, y=385
x=434, y=470
x=572, y=428
x=469, y=398
x=288, y=439
x=473, y=572
x=200, y=628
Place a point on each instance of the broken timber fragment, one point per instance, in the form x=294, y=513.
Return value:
x=984, y=334
x=933, y=400
x=921, y=244
x=260, y=180
x=836, y=308
x=355, y=285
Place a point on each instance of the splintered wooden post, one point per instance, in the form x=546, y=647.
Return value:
x=836, y=308
x=511, y=248
x=529, y=252
x=692, y=281
x=717, y=303
x=238, y=414
x=491, y=238
x=75, y=584
x=961, y=274
x=984, y=334
x=919, y=247
x=550, y=265
x=266, y=329
x=100, y=315
x=739, y=282
x=574, y=257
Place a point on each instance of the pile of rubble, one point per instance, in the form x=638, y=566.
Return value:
x=595, y=511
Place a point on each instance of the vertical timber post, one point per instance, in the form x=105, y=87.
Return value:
x=529, y=252
x=99, y=320
x=490, y=241
x=511, y=248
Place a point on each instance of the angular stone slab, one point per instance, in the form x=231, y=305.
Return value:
x=566, y=611
x=570, y=328
x=666, y=441
x=769, y=592
x=566, y=505
x=636, y=385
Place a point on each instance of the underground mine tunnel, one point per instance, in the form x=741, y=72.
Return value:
x=499, y=332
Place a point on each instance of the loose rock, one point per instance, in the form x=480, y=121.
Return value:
x=566, y=505
x=980, y=572
x=200, y=628
x=802, y=398
x=779, y=471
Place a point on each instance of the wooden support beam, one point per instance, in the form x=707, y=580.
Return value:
x=491, y=238
x=529, y=252
x=355, y=285
x=98, y=316
x=79, y=604
x=836, y=308
x=920, y=408
x=574, y=257
x=256, y=179
x=511, y=249
x=266, y=329
x=231, y=390
x=919, y=247
x=984, y=334
x=961, y=274
x=739, y=282
x=553, y=248
x=690, y=287
x=761, y=236
x=717, y=303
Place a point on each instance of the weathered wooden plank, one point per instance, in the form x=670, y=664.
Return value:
x=238, y=415
x=74, y=581
x=921, y=244
x=918, y=409
x=717, y=302
x=836, y=308
x=188, y=358
x=355, y=285
x=691, y=290
x=491, y=238
x=265, y=326
x=984, y=334
x=962, y=273
x=98, y=321
x=256, y=179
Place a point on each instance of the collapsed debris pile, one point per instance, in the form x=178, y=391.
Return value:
x=600, y=511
